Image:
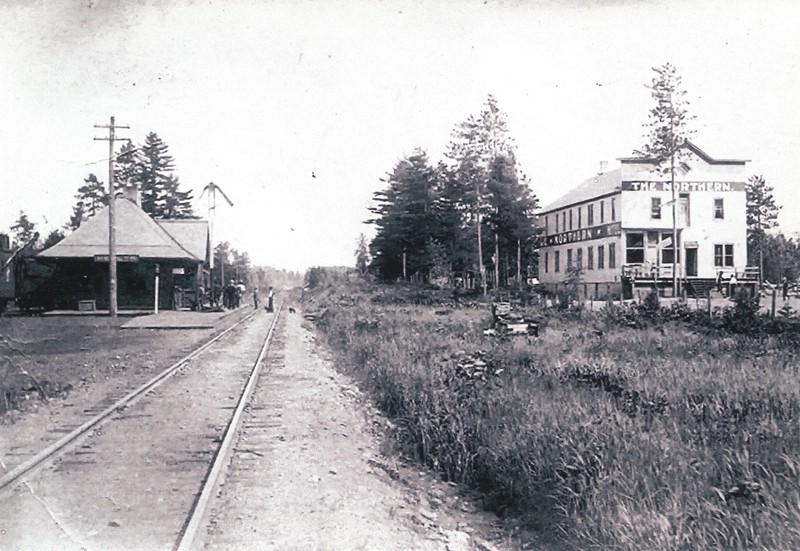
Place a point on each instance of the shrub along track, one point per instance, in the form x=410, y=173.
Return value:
x=129, y=476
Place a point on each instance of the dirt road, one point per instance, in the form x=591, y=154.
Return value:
x=308, y=472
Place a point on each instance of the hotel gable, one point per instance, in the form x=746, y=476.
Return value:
x=616, y=227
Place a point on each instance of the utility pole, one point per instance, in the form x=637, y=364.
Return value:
x=112, y=230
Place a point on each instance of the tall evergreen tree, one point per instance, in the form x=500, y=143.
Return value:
x=512, y=217
x=91, y=197
x=668, y=130
x=477, y=143
x=159, y=187
x=405, y=219
x=762, y=215
x=23, y=231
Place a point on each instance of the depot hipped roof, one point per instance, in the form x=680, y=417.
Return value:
x=136, y=234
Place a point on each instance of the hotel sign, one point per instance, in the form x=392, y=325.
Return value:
x=683, y=186
x=585, y=234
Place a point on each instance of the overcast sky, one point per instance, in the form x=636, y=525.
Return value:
x=258, y=96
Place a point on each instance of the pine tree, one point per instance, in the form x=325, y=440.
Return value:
x=668, y=131
x=24, y=231
x=762, y=215
x=405, y=219
x=477, y=143
x=159, y=187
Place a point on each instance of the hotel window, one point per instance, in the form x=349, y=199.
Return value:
x=601, y=257
x=719, y=209
x=564, y=221
x=546, y=262
x=557, y=261
x=612, y=255
x=556, y=222
x=590, y=215
x=602, y=212
x=546, y=224
x=579, y=260
x=590, y=258
x=723, y=255
x=613, y=212
x=634, y=248
x=569, y=258
x=655, y=208
x=580, y=217
x=668, y=249
x=570, y=219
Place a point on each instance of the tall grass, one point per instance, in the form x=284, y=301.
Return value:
x=614, y=437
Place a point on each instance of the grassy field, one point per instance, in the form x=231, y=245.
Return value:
x=659, y=436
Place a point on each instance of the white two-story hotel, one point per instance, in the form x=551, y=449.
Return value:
x=617, y=227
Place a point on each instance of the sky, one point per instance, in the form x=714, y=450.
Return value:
x=298, y=109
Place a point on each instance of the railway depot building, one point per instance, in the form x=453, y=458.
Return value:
x=170, y=254
x=616, y=228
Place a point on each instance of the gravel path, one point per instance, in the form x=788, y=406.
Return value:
x=308, y=472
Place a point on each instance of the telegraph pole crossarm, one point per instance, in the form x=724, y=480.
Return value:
x=112, y=231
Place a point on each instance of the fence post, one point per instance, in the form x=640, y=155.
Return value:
x=774, y=299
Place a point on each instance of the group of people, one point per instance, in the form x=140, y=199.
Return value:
x=231, y=296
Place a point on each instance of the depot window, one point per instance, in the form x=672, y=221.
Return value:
x=557, y=261
x=580, y=217
x=590, y=215
x=612, y=255
x=569, y=258
x=579, y=259
x=723, y=255
x=634, y=248
x=719, y=209
x=546, y=262
x=655, y=208
x=590, y=258
x=602, y=212
x=601, y=258
x=570, y=219
x=613, y=209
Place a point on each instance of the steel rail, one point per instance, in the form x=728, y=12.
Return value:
x=128, y=399
x=197, y=513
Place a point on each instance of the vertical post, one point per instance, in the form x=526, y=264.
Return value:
x=774, y=299
x=405, y=275
x=112, y=228
x=158, y=270
x=519, y=263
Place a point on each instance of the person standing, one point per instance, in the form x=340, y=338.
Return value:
x=255, y=298
x=270, y=299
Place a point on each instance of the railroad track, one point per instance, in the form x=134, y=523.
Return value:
x=219, y=373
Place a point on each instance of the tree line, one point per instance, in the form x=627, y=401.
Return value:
x=468, y=218
x=472, y=215
x=148, y=166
